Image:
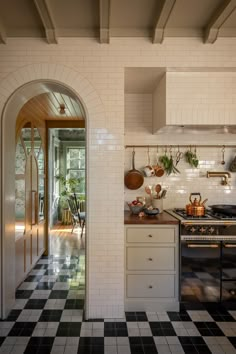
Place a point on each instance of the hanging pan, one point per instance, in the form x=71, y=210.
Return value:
x=134, y=178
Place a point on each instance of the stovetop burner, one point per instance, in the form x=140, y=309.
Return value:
x=182, y=212
x=209, y=215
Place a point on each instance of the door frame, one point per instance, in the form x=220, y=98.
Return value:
x=14, y=101
x=57, y=124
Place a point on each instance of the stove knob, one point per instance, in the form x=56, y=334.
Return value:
x=211, y=230
x=192, y=230
x=202, y=229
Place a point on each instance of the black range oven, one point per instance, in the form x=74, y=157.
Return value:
x=207, y=257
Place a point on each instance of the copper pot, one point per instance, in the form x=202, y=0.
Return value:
x=196, y=207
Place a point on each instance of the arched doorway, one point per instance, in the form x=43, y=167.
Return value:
x=13, y=107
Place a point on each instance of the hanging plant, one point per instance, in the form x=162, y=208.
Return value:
x=168, y=164
x=191, y=158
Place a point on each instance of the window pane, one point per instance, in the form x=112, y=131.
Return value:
x=80, y=174
x=20, y=158
x=20, y=199
x=26, y=135
x=41, y=197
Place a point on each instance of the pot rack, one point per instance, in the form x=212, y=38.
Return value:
x=168, y=146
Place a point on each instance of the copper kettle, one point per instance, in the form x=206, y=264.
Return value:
x=196, y=207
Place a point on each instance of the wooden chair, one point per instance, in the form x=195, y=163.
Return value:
x=77, y=216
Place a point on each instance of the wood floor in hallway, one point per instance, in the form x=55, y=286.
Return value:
x=65, y=243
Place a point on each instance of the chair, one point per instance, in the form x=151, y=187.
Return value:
x=77, y=216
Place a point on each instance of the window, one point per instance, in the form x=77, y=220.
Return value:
x=75, y=161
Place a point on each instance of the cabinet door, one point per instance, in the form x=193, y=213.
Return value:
x=41, y=238
x=150, y=235
x=19, y=260
x=150, y=286
x=150, y=258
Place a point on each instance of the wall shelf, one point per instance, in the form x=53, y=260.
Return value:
x=168, y=146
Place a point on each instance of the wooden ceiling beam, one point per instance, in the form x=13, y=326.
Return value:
x=47, y=20
x=163, y=13
x=218, y=19
x=104, y=18
x=3, y=35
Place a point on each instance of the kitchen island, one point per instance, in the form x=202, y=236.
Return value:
x=151, y=262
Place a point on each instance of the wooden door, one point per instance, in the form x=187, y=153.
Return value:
x=34, y=209
x=29, y=209
x=28, y=215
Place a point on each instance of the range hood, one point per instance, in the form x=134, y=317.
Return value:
x=193, y=102
x=196, y=129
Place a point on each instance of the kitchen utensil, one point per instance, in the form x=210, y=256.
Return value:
x=159, y=170
x=223, y=155
x=179, y=156
x=149, y=170
x=158, y=189
x=195, y=208
x=163, y=193
x=134, y=178
x=226, y=209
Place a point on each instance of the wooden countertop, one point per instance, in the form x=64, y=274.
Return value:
x=163, y=218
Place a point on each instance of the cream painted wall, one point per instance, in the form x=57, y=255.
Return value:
x=103, y=66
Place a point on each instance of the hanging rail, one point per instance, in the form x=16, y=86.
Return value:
x=180, y=146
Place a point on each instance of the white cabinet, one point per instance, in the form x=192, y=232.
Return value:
x=151, y=268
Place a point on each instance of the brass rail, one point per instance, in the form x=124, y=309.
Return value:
x=168, y=146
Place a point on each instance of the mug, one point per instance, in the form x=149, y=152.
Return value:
x=149, y=171
x=159, y=171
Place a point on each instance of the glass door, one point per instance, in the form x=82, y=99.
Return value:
x=200, y=271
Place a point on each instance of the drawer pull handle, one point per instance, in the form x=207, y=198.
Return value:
x=150, y=236
x=150, y=259
x=150, y=286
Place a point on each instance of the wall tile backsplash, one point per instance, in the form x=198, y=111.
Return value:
x=138, y=122
x=100, y=68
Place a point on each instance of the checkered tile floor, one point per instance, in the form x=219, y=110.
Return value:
x=48, y=318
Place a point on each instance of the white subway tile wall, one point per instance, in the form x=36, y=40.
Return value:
x=103, y=67
x=138, y=125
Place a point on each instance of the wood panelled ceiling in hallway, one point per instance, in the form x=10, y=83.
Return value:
x=51, y=106
x=106, y=19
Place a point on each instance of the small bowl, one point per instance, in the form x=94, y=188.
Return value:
x=135, y=209
x=151, y=212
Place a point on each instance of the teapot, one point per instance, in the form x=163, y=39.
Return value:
x=196, y=206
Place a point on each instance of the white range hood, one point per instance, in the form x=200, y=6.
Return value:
x=195, y=101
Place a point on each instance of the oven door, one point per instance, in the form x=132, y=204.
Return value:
x=228, y=271
x=200, y=271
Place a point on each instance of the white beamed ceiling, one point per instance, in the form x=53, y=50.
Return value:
x=105, y=19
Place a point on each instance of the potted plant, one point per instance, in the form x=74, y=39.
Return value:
x=67, y=187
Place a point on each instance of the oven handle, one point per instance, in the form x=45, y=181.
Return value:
x=196, y=245
x=230, y=245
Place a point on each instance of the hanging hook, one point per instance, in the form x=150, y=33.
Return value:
x=148, y=156
x=223, y=155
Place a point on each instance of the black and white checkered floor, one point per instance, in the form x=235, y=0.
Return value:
x=48, y=318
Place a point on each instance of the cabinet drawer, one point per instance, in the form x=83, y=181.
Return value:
x=150, y=286
x=151, y=234
x=150, y=258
